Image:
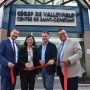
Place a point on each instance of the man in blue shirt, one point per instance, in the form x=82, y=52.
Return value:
x=47, y=55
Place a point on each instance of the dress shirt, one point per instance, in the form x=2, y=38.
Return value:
x=16, y=50
x=30, y=55
x=43, y=52
x=61, y=50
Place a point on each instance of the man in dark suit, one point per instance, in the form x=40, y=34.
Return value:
x=8, y=59
x=47, y=55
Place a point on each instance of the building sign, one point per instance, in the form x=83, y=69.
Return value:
x=50, y=17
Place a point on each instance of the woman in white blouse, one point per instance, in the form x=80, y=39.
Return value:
x=28, y=58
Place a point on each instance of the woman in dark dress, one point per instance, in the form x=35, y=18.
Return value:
x=28, y=58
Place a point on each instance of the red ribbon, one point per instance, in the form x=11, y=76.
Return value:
x=12, y=73
x=42, y=66
x=65, y=77
x=12, y=76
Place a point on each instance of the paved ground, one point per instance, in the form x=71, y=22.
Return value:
x=57, y=86
x=81, y=87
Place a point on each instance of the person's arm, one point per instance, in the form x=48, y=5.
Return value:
x=77, y=53
x=39, y=56
x=54, y=55
x=3, y=60
x=21, y=57
x=36, y=61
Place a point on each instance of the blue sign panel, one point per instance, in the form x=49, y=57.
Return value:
x=45, y=17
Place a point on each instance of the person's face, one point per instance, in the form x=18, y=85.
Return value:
x=14, y=34
x=62, y=35
x=45, y=37
x=30, y=41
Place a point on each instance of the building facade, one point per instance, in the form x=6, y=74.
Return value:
x=35, y=16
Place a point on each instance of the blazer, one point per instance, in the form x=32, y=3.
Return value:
x=50, y=53
x=6, y=55
x=72, y=51
x=23, y=58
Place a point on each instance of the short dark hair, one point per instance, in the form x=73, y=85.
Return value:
x=15, y=29
x=61, y=29
x=25, y=42
x=45, y=32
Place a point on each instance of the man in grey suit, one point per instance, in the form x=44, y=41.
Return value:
x=69, y=55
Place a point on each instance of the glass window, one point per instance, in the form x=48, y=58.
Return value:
x=72, y=3
x=57, y=2
x=75, y=35
x=24, y=34
x=53, y=37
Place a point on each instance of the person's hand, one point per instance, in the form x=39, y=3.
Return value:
x=10, y=65
x=66, y=62
x=50, y=62
x=41, y=62
x=31, y=68
x=27, y=66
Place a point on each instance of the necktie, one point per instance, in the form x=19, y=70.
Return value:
x=13, y=46
x=14, y=49
x=60, y=53
x=11, y=69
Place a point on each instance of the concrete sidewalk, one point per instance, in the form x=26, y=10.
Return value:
x=81, y=87
x=57, y=85
x=84, y=87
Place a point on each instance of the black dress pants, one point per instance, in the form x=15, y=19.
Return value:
x=72, y=82
x=27, y=80
x=61, y=77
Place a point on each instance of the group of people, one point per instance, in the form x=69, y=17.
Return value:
x=24, y=59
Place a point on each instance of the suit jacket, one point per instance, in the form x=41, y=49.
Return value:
x=6, y=55
x=73, y=52
x=50, y=53
x=23, y=58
